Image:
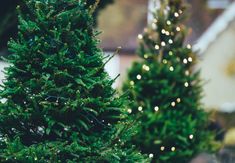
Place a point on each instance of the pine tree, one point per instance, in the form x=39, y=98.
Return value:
x=57, y=102
x=8, y=18
x=166, y=90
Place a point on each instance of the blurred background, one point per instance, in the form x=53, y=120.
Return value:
x=212, y=36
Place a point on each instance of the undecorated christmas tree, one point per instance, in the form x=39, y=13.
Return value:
x=166, y=91
x=57, y=102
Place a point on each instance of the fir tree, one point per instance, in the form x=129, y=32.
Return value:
x=166, y=91
x=57, y=102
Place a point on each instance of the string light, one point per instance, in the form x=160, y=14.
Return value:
x=178, y=29
x=138, y=76
x=167, y=33
x=170, y=41
x=146, y=68
x=140, y=108
x=155, y=20
x=129, y=111
x=185, y=61
x=178, y=100
x=163, y=43
x=150, y=155
x=170, y=53
x=190, y=59
x=157, y=47
x=189, y=46
x=176, y=14
x=156, y=108
x=162, y=148
x=172, y=149
x=171, y=68
x=140, y=36
x=173, y=104
x=186, y=84
x=132, y=83
x=163, y=31
x=180, y=11
x=146, y=56
x=187, y=72
x=191, y=136
x=164, y=61
x=154, y=26
x=168, y=22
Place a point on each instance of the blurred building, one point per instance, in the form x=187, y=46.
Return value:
x=216, y=48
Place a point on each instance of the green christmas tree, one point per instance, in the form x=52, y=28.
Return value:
x=8, y=18
x=57, y=102
x=166, y=91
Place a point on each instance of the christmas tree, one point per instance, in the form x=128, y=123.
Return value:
x=166, y=91
x=8, y=18
x=57, y=102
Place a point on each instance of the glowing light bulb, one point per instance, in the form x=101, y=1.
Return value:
x=156, y=108
x=168, y=22
x=146, y=68
x=164, y=61
x=157, y=47
x=163, y=43
x=132, y=83
x=171, y=68
x=140, y=108
x=167, y=33
x=140, y=36
x=187, y=72
x=172, y=149
x=163, y=31
x=191, y=136
x=173, y=104
x=189, y=46
x=146, y=56
x=138, y=76
x=150, y=155
x=170, y=53
x=190, y=59
x=178, y=29
x=170, y=41
x=185, y=61
x=186, y=84
x=154, y=26
x=178, y=100
x=129, y=111
x=162, y=148
x=176, y=14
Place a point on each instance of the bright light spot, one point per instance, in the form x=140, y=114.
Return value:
x=186, y=84
x=168, y=22
x=139, y=77
x=170, y=41
x=132, y=83
x=190, y=59
x=185, y=61
x=140, y=108
x=176, y=14
x=178, y=100
x=129, y=111
x=173, y=104
x=162, y=148
x=191, y=136
x=156, y=108
x=163, y=43
x=157, y=47
x=172, y=149
x=150, y=155
x=178, y=29
x=140, y=36
x=171, y=68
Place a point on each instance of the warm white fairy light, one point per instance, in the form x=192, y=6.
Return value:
x=163, y=43
x=178, y=100
x=173, y=104
x=190, y=59
x=150, y=155
x=176, y=14
x=140, y=36
x=163, y=31
x=172, y=149
x=180, y=11
x=155, y=20
x=154, y=26
x=132, y=83
x=129, y=111
x=167, y=33
x=187, y=72
x=170, y=41
x=170, y=53
x=162, y=148
x=168, y=22
x=156, y=108
x=189, y=46
x=171, y=68
x=138, y=76
x=185, y=61
x=145, y=67
x=146, y=56
x=191, y=136
x=178, y=29
x=164, y=61
x=186, y=84
x=140, y=108
x=157, y=47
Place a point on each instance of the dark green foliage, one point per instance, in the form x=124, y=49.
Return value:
x=8, y=18
x=166, y=91
x=57, y=102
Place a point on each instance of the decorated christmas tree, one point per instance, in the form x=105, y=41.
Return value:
x=166, y=90
x=8, y=18
x=57, y=102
